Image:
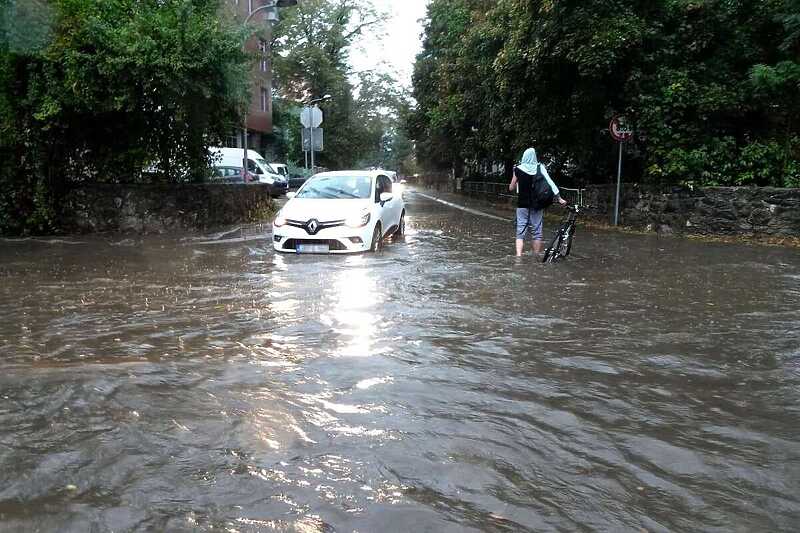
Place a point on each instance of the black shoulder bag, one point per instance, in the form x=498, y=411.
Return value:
x=541, y=194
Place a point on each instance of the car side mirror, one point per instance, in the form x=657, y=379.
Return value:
x=290, y=195
x=386, y=197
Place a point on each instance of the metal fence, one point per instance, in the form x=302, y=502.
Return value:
x=500, y=190
x=484, y=188
x=573, y=196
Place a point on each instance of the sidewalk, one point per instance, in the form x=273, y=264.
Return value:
x=588, y=220
x=504, y=209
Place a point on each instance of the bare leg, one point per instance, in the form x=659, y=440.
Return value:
x=537, y=246
x=520, y=243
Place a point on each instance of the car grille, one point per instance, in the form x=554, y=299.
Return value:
x=320, y=225
x=333, y=244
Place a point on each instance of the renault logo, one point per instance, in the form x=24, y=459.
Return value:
x=312, y=226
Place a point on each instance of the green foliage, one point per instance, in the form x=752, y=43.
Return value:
x=107, y=89
x=311, y=46
x=712, y=87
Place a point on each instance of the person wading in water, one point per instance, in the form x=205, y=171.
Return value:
x=530, y=208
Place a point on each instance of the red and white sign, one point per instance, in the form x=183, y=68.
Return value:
x=620, y=131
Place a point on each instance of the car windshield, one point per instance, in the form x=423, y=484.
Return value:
x=337, y=187
x=266, y=166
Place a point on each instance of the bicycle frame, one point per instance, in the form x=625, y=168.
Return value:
x=561, y=243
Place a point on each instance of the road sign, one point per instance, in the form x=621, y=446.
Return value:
x=622, y=133
x=319, y=143
x=311, y=117
x=619, y=129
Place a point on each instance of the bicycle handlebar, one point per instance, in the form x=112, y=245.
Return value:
x=571, y=207
x=576, y=208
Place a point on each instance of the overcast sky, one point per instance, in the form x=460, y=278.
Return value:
x=395, y=52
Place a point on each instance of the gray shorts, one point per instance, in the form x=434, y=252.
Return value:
x=529, y=220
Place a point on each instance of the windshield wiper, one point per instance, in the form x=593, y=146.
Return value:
x=316, y=195
x=346, y=193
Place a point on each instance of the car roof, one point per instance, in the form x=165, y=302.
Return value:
x=353, y=173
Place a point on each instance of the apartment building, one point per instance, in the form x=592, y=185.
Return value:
x=259, y=113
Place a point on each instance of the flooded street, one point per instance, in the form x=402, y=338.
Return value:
x=204, y=384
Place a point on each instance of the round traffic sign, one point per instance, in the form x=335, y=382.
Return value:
x=619, y=129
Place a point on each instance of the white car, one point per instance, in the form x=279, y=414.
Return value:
x=340, y=212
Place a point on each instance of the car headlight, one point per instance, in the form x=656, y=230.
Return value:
x=358, y=221
x=280, y=220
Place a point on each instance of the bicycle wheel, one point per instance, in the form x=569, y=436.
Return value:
x=552, y=251
x=567, y=244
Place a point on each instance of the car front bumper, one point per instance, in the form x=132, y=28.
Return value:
x=340, y=240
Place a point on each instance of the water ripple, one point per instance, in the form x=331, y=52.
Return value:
x=207, y=384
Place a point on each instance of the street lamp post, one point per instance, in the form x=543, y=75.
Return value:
x=274, y=4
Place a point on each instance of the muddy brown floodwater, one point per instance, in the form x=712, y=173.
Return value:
x=208, y=384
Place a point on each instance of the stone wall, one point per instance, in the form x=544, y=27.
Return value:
x=725, y=211
x=749, y=211
x=162, y=208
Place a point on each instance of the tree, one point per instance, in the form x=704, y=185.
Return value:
x=778, y=85
x=711, y=87
x=440, y=124
x=380, y=102
x=113, y=88
x=311, y=49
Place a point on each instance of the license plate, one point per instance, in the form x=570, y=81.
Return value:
x=312, y=248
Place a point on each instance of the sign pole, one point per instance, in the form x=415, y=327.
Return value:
x=310, y=118
x=245, y=172
x=621, y=133
x=312, y=146
x=619, y=182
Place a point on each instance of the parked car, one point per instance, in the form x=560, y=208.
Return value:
x=256, y=166
x=297, y=180
x=227, y=174
x=280, y=169
x=340, y=212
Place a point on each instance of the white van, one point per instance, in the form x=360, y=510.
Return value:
x=281, y=169
x=256, y=166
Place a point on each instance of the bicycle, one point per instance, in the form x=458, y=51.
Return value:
x=561, y=243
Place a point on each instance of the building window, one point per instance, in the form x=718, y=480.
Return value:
x=264, y=101
x=262, y=47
